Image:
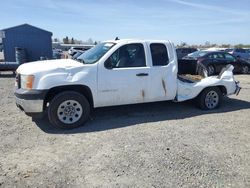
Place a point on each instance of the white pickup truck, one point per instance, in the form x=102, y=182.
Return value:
x=112, y=73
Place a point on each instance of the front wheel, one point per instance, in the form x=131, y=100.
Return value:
x=68, y=110
x=209, y=98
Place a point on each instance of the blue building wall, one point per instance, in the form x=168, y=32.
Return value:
x=36, y=42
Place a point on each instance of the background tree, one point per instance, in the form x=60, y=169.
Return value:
x=90, y=41
x=183, y=44
x=66, y=40
x=56, y=40
x=72, y=41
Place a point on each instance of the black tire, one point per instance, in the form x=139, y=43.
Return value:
x=206, y=99
x=55, y=109
x=245, y=69
x=210, y=70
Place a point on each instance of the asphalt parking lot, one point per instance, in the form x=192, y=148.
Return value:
x=148, y=145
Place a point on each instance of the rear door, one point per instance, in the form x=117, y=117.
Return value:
x=163, y=72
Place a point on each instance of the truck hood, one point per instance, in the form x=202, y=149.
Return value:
x=47, y=66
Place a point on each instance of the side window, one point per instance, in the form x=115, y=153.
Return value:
x=229, y=57
x=211, y=56
x=220, y=56
x=159, y=54
x=130, y=55
x=216, y=56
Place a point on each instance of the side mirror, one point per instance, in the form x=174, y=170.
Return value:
x=108, y=64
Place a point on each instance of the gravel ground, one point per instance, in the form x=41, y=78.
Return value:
x=148, y=145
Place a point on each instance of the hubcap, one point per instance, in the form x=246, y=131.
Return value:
x=69, y=111
x=212, y=99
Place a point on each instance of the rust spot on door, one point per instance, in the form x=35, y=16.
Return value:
x=143, y=93
x=164, y=86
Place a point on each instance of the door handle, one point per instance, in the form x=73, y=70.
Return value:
x=142, y=74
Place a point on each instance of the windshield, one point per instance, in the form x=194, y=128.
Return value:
x=94, y=54
x=197, y=54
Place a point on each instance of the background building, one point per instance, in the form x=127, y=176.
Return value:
x=36, y=42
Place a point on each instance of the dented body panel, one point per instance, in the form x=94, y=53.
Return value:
x=118, y=86
x=187, y=91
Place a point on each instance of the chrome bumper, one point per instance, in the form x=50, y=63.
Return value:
x=30, y=106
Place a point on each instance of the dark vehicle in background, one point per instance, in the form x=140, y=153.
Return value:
x=214, y=62
x=181, y=52
x=240, y=53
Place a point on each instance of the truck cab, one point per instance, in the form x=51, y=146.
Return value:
x=115, y=72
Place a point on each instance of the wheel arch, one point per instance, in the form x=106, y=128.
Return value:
x=82, y=89
x=222, y=88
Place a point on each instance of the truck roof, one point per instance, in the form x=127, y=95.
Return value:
x=137, y=40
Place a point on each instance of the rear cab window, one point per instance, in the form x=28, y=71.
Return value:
x=159, y=54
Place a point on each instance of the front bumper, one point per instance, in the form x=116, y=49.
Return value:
x=30, y=106
x=30, y=101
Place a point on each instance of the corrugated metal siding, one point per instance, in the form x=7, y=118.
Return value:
x=37, y=42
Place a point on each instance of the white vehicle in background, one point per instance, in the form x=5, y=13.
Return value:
x=113, y=73
x=73, y=50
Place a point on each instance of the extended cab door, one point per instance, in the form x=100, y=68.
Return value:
x=163, y=72
x=124, y=77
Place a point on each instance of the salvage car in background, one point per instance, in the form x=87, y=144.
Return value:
x=240, y=53
x=181, y=52
x=215, y=61
x=73, y=50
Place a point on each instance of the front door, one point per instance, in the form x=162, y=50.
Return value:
x=124, y=77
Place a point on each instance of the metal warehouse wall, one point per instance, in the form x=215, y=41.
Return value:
x=37, y=42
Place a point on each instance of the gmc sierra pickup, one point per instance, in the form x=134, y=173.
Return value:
x=112, y=73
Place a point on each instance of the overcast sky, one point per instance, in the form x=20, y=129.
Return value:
x=191, y=21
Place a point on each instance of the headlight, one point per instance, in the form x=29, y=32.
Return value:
x=27, y=81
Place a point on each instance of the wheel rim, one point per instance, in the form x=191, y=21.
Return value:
x=245, y=70
x=210, y=70
x=69, y=111
x=212, y=99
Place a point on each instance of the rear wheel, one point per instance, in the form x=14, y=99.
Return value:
x=210, y=70
x=209, y=98
x=245, y=69
x=68, y=110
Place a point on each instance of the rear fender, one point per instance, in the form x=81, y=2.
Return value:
x=225, y=80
